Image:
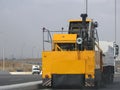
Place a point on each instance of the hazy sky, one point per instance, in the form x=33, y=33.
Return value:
x=21, y=22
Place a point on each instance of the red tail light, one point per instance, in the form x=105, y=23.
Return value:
x=46, y=76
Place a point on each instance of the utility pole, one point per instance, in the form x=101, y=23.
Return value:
x=3, y=60
x=86, y=6
x=115, y=19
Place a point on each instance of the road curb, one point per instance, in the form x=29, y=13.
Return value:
x=20, y=73
x=4, y=73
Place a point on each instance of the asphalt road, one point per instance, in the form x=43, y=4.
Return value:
x=17, y=79
x=114, y=86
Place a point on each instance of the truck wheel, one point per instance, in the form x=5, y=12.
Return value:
x=97, y=84
x=98, y=79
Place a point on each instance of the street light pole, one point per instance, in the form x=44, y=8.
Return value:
x=86, y=6
x=3, y=60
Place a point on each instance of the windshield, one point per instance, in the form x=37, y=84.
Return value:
x=67, y=46
x=36, y=69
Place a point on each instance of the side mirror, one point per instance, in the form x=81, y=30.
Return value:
x=95, y=24
x=116, y=51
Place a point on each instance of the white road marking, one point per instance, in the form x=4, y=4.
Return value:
x=22, y=85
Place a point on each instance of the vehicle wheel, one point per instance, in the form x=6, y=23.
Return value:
x=103, y=81
x=97, y=84
x=111, y=78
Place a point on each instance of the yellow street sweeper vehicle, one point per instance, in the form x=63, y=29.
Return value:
x=75, y=59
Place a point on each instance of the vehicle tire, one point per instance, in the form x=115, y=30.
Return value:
x=103, y=82
x=98, y=79
x=111, y=78
x=97, y=84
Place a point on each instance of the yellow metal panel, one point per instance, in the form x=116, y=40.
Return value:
x=80, y=20
x=90, y=65
x=68, y=67
x=68, y=62
x=64, y=38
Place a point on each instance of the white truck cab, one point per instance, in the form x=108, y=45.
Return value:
x=110, y=52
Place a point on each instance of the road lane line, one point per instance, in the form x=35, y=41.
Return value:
x=21, y=86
